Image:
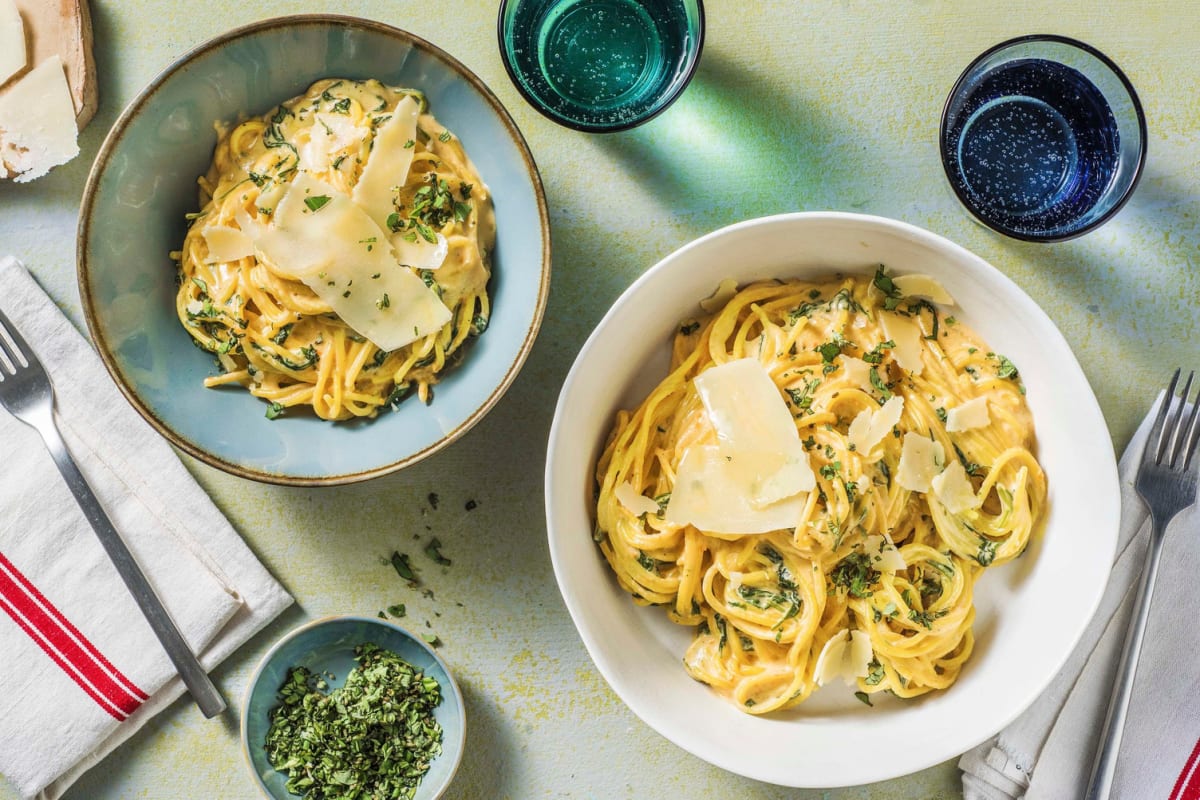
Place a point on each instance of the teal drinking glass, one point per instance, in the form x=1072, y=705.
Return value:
x=600, y=65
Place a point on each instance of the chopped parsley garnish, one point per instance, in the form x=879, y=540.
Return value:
x=884, y=283
x=689, y=328
x=987, y=552
x=864, y=697
x=402, y=567
x=383, y=302
x=829, y=351
x=374, y=737
x=434, y=551
x=444, y=136
x=879, y=385
x=854, y=573
x=926, y=618
x=1006, y=369
x=316, y=202
x=274, y=411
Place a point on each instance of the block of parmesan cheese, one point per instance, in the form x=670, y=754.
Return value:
x=12, y=41
x=37, y=123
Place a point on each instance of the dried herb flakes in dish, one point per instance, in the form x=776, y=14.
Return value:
x=372, y=738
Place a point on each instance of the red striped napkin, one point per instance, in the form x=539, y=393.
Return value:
x=81, y=668
x=1047, y=753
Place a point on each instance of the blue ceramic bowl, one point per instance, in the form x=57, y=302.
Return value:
x=144, y=181
x=327, y=646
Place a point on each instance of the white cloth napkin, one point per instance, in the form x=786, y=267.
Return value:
x=1046, y=754
x=82, y=669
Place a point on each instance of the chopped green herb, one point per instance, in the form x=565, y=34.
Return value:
x=274, y=411
x=409, y=144
x=434, y=551
x=987, y=552
x=854, y=573
x=383, y=302
x=316, y=202
x=398, y=610
x=402, y=567
x=864, y=698
x=444, y=136
x=374, y=737
x=879, y=385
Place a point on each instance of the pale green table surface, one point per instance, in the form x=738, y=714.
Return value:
x=796, y=106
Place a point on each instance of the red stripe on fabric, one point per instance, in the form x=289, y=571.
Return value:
x=1187, y=786
x=101, y=701
x=66, y=624
x=69, y=653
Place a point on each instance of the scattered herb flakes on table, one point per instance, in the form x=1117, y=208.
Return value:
x=371, y=739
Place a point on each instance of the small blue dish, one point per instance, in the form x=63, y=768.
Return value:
x=326, y=646
x=144, y=182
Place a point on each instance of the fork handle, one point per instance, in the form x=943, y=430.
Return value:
x=1104, y=768
x=194, y=677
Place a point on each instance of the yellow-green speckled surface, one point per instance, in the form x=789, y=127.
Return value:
x=821, y=104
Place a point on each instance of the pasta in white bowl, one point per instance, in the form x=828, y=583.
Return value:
x=770, y=614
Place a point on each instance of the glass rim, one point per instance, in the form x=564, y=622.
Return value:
x=585, y=127
x=1138, y=112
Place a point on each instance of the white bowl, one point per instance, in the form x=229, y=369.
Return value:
x=1030, y=613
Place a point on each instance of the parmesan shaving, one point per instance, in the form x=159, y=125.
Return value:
x=920, y=460
x=954, y=490
x=923, y=286
x=847, y=655
x=634, y=501
x=907, y=335
x=971, y=414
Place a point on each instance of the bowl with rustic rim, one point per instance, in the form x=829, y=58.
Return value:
x=325, y=647
x=144, y=181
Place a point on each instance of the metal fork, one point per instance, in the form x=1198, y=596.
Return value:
x=1166, y=481
x=26, y=392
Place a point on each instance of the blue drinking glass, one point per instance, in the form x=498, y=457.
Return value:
x=600, y=65
x=1043, y=138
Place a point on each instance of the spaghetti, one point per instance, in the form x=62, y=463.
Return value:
x=866, y=557
x=269, y=329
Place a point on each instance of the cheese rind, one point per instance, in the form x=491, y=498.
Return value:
x=12, y=41
x=37, y=122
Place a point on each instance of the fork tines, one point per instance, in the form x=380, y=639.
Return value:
x=1177, y=438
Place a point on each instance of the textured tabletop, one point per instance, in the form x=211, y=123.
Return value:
x=796, y=106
